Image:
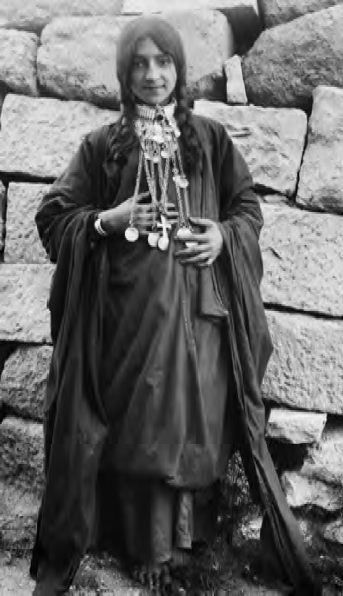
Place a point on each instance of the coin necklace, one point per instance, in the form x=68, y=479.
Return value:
x=159, y=149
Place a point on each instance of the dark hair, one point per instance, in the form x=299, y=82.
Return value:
x=168, y=40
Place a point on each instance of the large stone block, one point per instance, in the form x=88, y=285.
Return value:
x=321, y=175
x=288, y=62
x=24, y=291
x=305, y=371
x=303, y=259
x=333, y=532
x=319, y=482
x=324, y=461
x=301, y=491
x=77, y=58
x=295, y=427
x=243, y=15
x=2, y=215
x=23, y=381
x=3, y=93
x=18, y=61
x=33, y=16
x=271, y=141
x=18, y=518
x=235, y=88
x=276, y=12
x=23, y=244
x=38, y=137
x=21, y=463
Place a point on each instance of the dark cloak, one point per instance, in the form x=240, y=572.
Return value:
x=74, y=420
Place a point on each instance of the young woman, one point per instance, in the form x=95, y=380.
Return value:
x=160, y=336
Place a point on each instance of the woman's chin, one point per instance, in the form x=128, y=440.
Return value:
x=154, y=99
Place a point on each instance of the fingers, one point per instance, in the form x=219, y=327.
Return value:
x=196, y=256
x=188, y=252
x=199, y=261
x=174, y=214
x=142, y=209
x=200, y=238
x=142, y=195
x=202, y=222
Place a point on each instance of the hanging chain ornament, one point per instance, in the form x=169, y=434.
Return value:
x=131, y=232
x=158, y=135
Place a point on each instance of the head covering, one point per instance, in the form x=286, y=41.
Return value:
x=164, y=36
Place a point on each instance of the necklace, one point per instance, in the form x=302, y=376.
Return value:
x=159, y=153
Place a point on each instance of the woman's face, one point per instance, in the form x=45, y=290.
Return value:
x=153, y=74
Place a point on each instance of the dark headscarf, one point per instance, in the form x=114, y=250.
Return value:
x=164, y=36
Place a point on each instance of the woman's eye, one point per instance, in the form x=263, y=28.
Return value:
x=164, y=60
x=137, y=64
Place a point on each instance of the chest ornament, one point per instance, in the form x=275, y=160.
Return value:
x=160, y=156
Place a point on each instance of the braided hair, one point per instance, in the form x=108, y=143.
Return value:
x=168, y=40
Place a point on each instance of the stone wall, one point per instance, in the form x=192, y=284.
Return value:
x=282, y=103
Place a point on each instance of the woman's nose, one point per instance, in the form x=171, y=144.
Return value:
x=152, y=71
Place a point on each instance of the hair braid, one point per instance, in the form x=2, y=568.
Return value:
x=190, y=140
x=123, y=136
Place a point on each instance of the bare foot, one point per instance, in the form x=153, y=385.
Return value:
x=180, y=558
x=155, y=577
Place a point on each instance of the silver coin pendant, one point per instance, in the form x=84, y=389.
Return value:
x=163, y=243
x=153, y=239
x=131, y=234
x=184, y=233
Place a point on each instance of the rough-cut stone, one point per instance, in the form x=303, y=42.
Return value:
x=2, y=215
x=301, y=491
x=321, y=175
x=38, y=137
x=250, y=528
x=303, y=259
x=77, y=59
x=18, y=518
x=33, y=16
x=235, y=88
x=271, y=141
x=18, y=61
x=23, y=381
x=306, y=368
x=22, y=241
x=288, y=62
x=24, y=291
x=276, y=12
x=211, y=86
x=3, y=92
x=334, y=532
x=273, y=199
x=97, y=574
x=324, y=461
x=21, y=447
x=243, y=15
x=291, y=426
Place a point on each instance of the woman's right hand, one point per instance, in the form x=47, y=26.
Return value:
x=117, y=219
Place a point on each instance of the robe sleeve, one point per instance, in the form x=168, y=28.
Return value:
x=65, y=222
x=240, y=264
x=73, y=197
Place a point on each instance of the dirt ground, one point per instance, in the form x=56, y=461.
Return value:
x=102, y=576
x=230, y=565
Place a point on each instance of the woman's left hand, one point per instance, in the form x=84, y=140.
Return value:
x=207, y=244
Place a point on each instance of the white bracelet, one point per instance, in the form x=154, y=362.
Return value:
x=98, y=227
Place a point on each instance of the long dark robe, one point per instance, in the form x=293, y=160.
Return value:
x=76, y=425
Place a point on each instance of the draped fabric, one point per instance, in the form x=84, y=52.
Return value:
x=78, y=421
